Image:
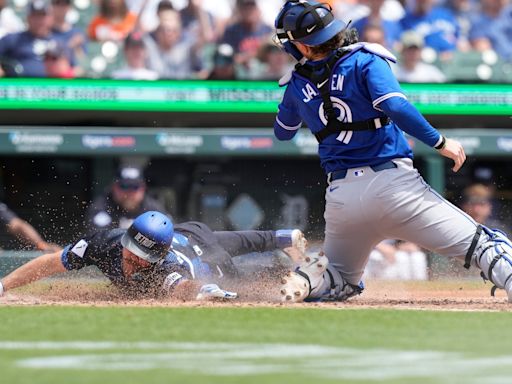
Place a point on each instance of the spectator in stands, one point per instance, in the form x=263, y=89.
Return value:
x=152, y=12
x=437, y=26
x=197, y=23
x=67, y=34
x=346, y=10
x=57, y=63
x=164, y=10
x=492, y=28
x=23, y=231
x=397, y=260
x=248, y=33
x=271, y=63
x=114, y=21
x=463, y=12
x=373, y=33
x=171, y=56
x=147, y=11
x=223, y=63
x=124, y=201
x=22, y=53
x=391, y=28
x=477, y=203
x=410, y=68
x=135, y=54
x=9, y=21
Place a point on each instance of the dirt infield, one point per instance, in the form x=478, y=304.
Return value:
x=464, y=295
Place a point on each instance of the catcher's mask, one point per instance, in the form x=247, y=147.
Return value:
x=308, y=22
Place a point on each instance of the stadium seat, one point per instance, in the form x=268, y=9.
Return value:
x=469, y=66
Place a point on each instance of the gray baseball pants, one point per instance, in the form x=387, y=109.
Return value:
x=367, y=207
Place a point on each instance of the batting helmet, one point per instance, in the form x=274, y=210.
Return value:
x=150, y=236
x=308, y=22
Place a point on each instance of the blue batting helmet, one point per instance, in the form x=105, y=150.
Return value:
x=308, y=22
x=150, y=236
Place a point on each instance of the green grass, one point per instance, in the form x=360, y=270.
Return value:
x=370, y=346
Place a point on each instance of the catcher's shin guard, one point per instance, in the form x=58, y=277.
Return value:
x=493, y=255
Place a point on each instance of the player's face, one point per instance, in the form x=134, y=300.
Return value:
x=304, y=49
x=133, y=263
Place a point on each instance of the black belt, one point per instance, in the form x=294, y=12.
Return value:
x=341, y=174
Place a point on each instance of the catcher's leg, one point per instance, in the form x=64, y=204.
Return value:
x=491, y=252
x=435, y=224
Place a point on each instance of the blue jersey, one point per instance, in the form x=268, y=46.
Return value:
x=439, y=28
x=27, y=50
x=362, y=88
x=497, y=29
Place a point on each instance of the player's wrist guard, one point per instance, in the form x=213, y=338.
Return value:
x=441, y=144
x=1, y=289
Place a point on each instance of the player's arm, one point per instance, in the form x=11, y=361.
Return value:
x=287, y=121
x=39, y=268
x=180, y=284
x=28, y=234
x=388, y=97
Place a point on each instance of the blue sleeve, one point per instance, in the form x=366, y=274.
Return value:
x=64, y=258
x=287, y=121
x=387, y=96
x=410, y=120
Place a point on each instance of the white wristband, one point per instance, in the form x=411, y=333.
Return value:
x=1, y=289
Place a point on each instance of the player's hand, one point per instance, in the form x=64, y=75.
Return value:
x=208, y=291
x=454, y=150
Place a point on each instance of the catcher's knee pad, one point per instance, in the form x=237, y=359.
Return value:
x=334, y=288
x=493, y=255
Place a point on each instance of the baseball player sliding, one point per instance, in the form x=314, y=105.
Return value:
x=349, y=98
x=153, y=256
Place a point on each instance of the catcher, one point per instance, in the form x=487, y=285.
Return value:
x=346, y=93
x=155, y=257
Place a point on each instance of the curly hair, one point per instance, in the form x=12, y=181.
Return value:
x=346, y=37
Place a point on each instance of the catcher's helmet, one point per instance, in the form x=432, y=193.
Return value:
x=150, y=236
x=308, y=22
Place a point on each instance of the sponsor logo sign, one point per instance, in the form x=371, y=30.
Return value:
x=505, y=144
x=234, y=143
x=36, y=142
x=108, y=141
x=183, y=144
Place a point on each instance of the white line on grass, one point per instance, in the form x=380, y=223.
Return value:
x=228, y=359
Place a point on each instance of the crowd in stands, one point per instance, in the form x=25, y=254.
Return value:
x=435, y=40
